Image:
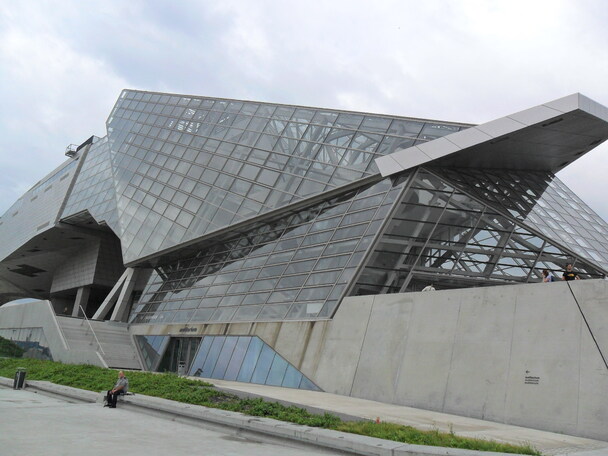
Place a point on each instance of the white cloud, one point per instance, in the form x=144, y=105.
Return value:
x=64, y=64
x=52, y=96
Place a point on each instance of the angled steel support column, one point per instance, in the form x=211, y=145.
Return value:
x=82, y=299
x=107, y=303
x=121, y=310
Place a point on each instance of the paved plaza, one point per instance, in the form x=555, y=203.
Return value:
x=33, y=424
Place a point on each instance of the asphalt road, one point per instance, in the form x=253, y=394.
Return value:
x=33, y=424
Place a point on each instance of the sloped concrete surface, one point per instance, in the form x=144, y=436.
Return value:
x=548, y=443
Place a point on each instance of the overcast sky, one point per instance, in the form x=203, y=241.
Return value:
x=64, y=63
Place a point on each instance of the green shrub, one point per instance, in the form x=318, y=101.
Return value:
x=10, y=349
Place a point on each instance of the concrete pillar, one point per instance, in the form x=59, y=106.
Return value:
x=108, y=303
x=119, y=298
x=82, y=299
x=121, y=309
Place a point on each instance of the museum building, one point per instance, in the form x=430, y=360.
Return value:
x=288, y=246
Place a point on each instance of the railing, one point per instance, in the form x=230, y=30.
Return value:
x=93, y=331
x=79, y=318
x=64, y=340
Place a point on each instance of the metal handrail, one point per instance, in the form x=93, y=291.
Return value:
x=92, y=330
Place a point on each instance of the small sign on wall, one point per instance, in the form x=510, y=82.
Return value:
x=188, y=329
x=531, y=379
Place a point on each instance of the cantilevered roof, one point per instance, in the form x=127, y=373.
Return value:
x=547, y=137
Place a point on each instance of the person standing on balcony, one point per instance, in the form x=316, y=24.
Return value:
x=569, y=274
x=547, y=276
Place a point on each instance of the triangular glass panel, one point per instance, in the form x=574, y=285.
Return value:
x=461, y=243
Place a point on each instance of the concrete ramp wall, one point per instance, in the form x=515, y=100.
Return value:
x=71, y=340
x=40, y=314
x=593, y=302
x=521, y=354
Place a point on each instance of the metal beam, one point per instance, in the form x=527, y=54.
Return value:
x=121, y=310
x=112, y=297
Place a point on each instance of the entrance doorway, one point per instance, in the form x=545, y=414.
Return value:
x=179, y=355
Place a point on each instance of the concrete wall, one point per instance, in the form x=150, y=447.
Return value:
x=474, y=352
x=531, y=355
x=522, y=354
x=39, y=314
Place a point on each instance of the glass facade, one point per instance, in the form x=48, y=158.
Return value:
x=179, y=354
x=188, y=166
x=234, y=212
x=236, y=358
x=249, y=212
x=93, y=191
x=213, y=194
x=442, y=235
x=544, y=203
x=246, y=359
x=31, y=342
x=151, y=349
x=294, y=267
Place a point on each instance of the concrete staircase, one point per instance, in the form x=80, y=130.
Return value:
x=115, y=343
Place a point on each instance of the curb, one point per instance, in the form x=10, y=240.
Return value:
x=336, y=440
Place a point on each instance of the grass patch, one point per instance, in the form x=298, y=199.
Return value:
x=408, y=434
x=170, y=386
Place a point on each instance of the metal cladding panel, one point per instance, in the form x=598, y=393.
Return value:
x=53, y=255
x=545, y=138
x=37, y=210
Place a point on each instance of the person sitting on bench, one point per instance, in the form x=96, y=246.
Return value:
x=121, y=387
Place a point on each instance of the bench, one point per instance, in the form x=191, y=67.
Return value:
x=120, y=397
x=128, y=393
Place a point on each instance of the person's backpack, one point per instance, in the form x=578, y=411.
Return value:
x=551, y=278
